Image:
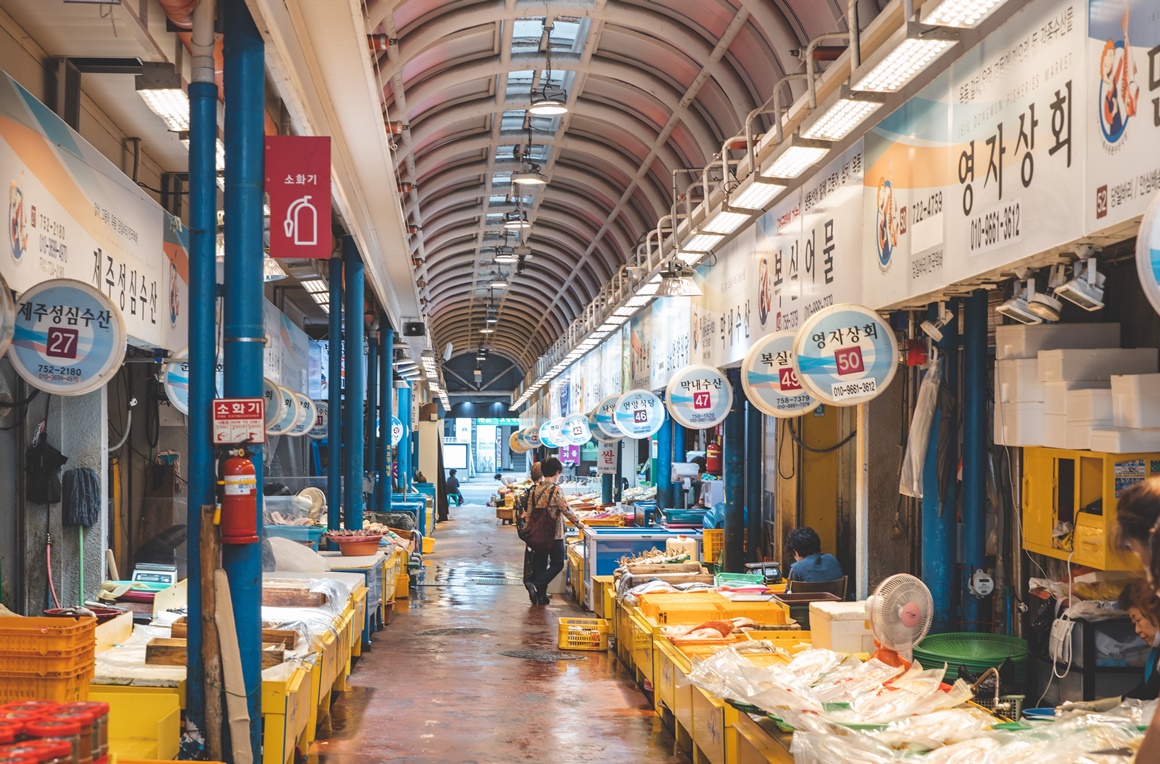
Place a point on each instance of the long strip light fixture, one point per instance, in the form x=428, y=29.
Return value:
x=160, y=86
x=911, y=50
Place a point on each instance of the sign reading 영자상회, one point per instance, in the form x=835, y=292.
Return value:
x=699, y=397
x=845, y=355
x=770, y=380
x=298, y=183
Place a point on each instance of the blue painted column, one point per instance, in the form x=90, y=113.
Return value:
x=353, y=412
x=618, y=478
x=734, y=462
x=663, y=480
x=386, y=389
x=202, y=360
x=939, y=524
x=974, y=455
x=678, y=455
x=606, y=486
x=405, y=443
x=754, y=434
x=334, y=400
x=372, y=408
x=244, y=330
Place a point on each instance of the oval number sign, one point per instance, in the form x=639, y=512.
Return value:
x=396, y=430
x=575, y=430
x=69, y=338
x=516, y=443
x=275, y=407
x=305, y=416
x=639, y=414
x=1148, y=253
x=321, y=421
x=770, y=379
x=551, y=434
x=177, y=380
x=290, y=411
x=604, y=418
x=532, y=437
x=845, y=354
x=699, y=397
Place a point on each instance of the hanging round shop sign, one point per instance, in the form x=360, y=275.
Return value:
x=275, y=407
x=551, y=433
x=845, y=354
x=321, y=421
x=290, y=411
x=531, y=436
x=575, y=430
x=396, y=430
x=7, y=316
x=69, y=339
x=639, y=414
x=770, y=379
x=176, y=379
x=602, y=421
x=516, y=443
x=305, y=416
x=1147, y=255
x=699, y=397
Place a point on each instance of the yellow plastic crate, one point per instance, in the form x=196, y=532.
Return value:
x=659, y=605
x=402, y=587
x=583, y=634
x=712, y=542
x=428, y=545
x=772, y=613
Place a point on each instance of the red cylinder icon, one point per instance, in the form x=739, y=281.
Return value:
x=239, y=501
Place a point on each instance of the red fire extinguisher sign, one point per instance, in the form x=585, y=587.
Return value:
x=239, y=420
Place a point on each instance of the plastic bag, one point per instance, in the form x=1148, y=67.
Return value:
x=910, y=481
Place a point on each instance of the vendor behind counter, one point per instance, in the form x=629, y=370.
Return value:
x=1140, y=602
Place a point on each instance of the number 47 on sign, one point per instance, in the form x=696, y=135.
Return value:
x=239, y=420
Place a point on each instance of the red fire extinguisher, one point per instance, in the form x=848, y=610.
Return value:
x=713, y=458
x=239, y=500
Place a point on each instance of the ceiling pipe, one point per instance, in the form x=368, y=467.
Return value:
x=774, y=99
x=811, y=64
x=179, y=12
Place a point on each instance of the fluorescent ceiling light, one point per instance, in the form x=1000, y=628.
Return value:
x=702, y=242
x=161, y=88
x=601, y=333
x=756, y=195
x=795, y=156
x=725, y=222
x=640, y=300
x=610, y=325
x=625, y=312
x=492, y=319
x=617, y=320
x=958, y=13
x=515, y=221
x=531, y=177
x=219, y=157
x=840, y=119
x=315, y=286
x=690, y=258
x=902, y=64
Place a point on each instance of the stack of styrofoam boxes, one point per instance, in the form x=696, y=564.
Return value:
x=842, y=627
x=1071, y=409
x=1135, y=416
x=1020, y=396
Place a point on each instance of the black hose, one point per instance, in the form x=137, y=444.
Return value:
x=826, y=450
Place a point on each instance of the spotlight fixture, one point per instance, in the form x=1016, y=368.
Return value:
x=903, y=60
x=1017, y=308
x=491, y=318
x=487, y=330
x=1044, y=304
x=677, y=281
x=934, y=329
x=504, y=255
x=1086, y=288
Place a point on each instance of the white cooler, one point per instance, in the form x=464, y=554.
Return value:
x=841, y=626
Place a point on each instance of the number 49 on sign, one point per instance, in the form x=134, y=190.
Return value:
x=239, y=420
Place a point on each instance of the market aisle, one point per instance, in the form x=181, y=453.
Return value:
x=424, y=695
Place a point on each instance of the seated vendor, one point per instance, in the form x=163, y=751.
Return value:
x=811, y=565
x=1140, y=602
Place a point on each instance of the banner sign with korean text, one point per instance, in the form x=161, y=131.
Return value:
x=611, y=364
x=298, y=184
x=770, y=379
x=639, y=414
x=724, y=319
x=287, y=354
x=72, y=214
x=69, y=339
x=1122, y=75
x=699, y=397
x=846, y=354
x=670, y=339
x=532, y=437
x=606, y=460
x=831, y=266
x=638, y=349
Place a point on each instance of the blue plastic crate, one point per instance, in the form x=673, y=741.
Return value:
x=302, y=534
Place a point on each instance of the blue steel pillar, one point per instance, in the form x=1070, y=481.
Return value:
x=974, y=454
x=405, y=443
x=334, y=400
x=618, y=478
x=372, y=408
x=734, y=458
x=754, y=421
x=202, y=360
x=386, y=389
x=939, y=545
x=663, y=480
x=355, y=377
x=606, y=486
x=678, y=455
x=244, y=330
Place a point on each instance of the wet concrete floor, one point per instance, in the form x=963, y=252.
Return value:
x=453, y=697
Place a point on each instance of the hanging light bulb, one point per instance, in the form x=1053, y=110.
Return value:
x=548, y=101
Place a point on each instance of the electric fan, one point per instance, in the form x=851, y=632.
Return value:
x=900, y=613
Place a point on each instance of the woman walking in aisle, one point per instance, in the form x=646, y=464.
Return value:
x=547, y=505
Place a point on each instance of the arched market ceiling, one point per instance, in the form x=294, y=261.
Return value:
x=651, y=87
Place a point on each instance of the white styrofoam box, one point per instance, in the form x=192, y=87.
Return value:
x=1055, y=394
x=1021, y=341
x=1138, y=385
x=1089, y=405
x=1119, y=440
x=1136, y=412
x=841, y=626
x=1096, y=365
x=1019, y=424
x=1079, y=435
x=1054, y=431
x=1017, y=381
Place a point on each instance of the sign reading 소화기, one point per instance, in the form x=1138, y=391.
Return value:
x=239, y=420
x=298, y=182
x=699, y=397
x=639, y=414
x=770, y=379
x=69, y=339
x=845, y=355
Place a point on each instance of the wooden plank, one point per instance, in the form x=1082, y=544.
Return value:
x=283, y=596
x=211, y=656
x=675, y=567
x=161, y=651
x=286, y=637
